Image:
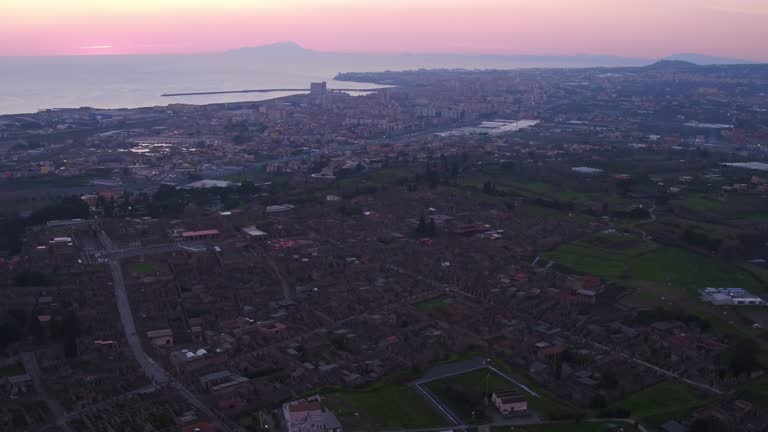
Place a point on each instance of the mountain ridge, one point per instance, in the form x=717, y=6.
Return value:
x=294, y=48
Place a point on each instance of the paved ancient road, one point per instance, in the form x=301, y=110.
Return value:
x=29, y=361
x=515, y=424
x=444, y=409
x=142, y=390
x=152, y=370
x=458, y=368
x=602, y=347
x=660, y=370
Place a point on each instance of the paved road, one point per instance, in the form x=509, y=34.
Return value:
x=359, y=144
x=602, y=347
x=141, y=390
x=431, y=282
x=660, y=370
x=643, y=234
x=29, y=361
x=513, y=422
x=444, y=409
x=119, y=254
x=152, y=370
x=459, y=368
x=462, y=367
x=515, y=382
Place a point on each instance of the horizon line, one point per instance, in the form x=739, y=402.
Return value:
x=92, y=52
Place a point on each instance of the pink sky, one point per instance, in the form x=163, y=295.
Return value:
x=638, y=28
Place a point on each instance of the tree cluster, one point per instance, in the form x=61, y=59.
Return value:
x=426, y=228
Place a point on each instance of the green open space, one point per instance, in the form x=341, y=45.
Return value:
x=736, y=206
x=598, y=426
x=756, y=391
x=52, y=181
x=602, y=256
x=544, y=190
x=661, y=402
x=352, y=184
x=388, y=404
x=650, y=262
x=435, y=303
x=503, y=183
x=142, y=268
x=48, y=181
x=464, y=394
x=683, y=268
x=702, y=203
x=665, y=274
x=670, y=225
x=379, y=177
x=11, y=370
x=547, y=406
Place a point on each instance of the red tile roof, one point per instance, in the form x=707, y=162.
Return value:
x=200, y=233
x=304, y=407
x=199, y=427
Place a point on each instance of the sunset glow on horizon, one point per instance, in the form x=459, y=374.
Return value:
x=647, y=29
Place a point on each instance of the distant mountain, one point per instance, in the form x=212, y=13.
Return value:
x=482, y=61
x=524, y=60
x=672, y=65
x=701, y=59
x=280, y=48
x=438, y=60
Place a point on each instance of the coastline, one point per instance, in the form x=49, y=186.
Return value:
x=266, y=96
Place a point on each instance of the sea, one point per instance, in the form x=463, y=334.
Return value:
x=29, y=84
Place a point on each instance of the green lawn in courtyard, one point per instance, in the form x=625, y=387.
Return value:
x=389, y=404
x=661, y=402
x=142, y=268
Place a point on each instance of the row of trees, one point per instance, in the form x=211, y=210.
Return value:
x=18, y=324
x=425, y=228
x=445, y=170
x=12, y=227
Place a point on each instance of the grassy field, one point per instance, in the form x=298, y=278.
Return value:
x=465, y=393
x=703, y=203
x=531, y=189
x=11, y=370
x=376, y=177
x=548, y=406
x=735, y=207
x=684, y=268
x=473, y=385
x=674, y=226
x=564, y=427
x=142, y=268
x=435, y=303
x=650, y=262
x=757, y=390
x=606, y=255
x=389, y=404
x=661, y=402
x=43, y=182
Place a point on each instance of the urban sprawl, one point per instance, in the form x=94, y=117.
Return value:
x=529, y=250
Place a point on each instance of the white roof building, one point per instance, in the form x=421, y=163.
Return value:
x=308, y=415
x=205, y=184
x=586, y=170
x=253, y=231
x=731, y=297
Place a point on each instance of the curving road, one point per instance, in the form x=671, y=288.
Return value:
x=152, y=370
x=29, y=360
